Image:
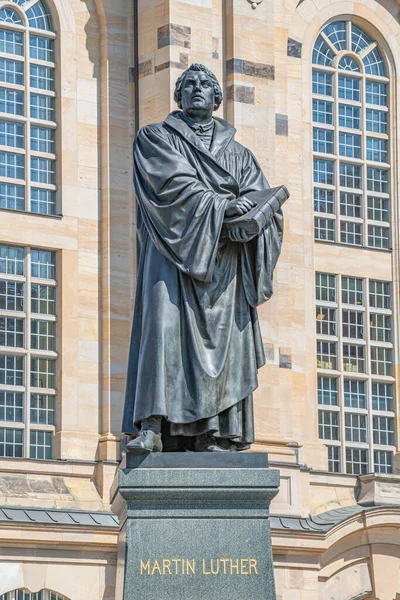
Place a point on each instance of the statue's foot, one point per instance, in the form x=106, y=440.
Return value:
x=208, y=443
x=147, y=441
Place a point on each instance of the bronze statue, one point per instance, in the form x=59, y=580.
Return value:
x=196, y=342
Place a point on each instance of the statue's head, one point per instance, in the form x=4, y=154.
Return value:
x=198, y=92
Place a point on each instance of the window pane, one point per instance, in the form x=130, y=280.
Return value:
x=327, y=391
x=355, y=394
x=377, y=180
x=326, y=320
x=11, y=370
x=376, y=150
x=43, y=139
x=350, y=145
x=376, y=93
x=322, y=54
x=350, y=175
x=349, y=88
x=379, y=237
x=12, y=196
x=323, y=140
x=379, y=294
x=383, y=431
x=378, y=209
x=42, y=78
x=352, y=291
x=43, y=299
x=376, y=121
x=324, y=229
x=11, y=102
x=11, y=406
x=351, y=233
x=42, y=170
x=326, y=355
x=381, y=361
x=43, y=264
x=356, y=461
x=324, y=201
x=11, y=42
x=43, y=373
x=356, y=428
x=333, y=459
x=328, y=425
x=359, y=39
x=11, y=71
x=43, y=409
x=42, y=107
x=383, y=461
x=12, y=165
x=353, y=358
x=350, y=205
x=322, y=83
x=347, y=63
x=11, y=295
x=349, y=116
x=353, y=324
x=11, y=332
x=11, y=134
x=325, y=287
x=41, y=445
x=323, y=171
x=43, y=201
x=11, y=443
x=42, y=335
x=373, y=63
x=382, y=396
x=39, y=17
x=322, y=112
x=8, y=15
x=336, y=32
x=12, y=260
x=41, y=48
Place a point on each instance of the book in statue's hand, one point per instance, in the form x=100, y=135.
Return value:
x=267, y=203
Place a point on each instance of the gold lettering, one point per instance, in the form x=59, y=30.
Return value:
x=166, y=566
x=191, y=566
x=234, y=566
x=175, y=561
x=204, y=568
x=215, y=571
x=145, y=568
x=253, y=565
x=156, y=566
x=224, y=561
x=243, y=566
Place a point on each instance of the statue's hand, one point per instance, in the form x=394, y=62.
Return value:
x=238, y=234
x=239, y=207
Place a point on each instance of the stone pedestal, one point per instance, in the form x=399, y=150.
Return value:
x=195, y=526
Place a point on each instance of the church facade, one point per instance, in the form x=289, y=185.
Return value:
x=311, y=87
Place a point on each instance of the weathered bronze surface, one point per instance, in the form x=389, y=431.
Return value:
x=196, y=341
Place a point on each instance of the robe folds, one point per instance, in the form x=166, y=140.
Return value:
x=196, y=343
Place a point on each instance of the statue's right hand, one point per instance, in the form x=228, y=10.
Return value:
x=239, y=207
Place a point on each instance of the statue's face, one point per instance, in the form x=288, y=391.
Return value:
x=198, y=95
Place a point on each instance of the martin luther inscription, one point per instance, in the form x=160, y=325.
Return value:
x=205, y=566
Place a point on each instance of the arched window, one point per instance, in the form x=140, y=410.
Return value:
x=354, y=317
x=350, y=138
x=27, y=108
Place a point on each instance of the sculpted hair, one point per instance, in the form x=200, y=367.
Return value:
x=212, y=78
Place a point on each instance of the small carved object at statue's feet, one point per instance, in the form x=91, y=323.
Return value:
x=147, y=441
x=208, y=443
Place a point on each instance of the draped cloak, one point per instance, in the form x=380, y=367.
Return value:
x=196, y=343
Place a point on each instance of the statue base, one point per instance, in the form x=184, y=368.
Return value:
x=195, y=526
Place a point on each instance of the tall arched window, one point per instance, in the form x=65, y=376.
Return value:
x=350, y=138
x=27, y=107
x=352, y=206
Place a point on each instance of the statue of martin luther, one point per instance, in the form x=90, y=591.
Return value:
x=196, y=343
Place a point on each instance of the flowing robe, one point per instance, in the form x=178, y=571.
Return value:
x=196, y=343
